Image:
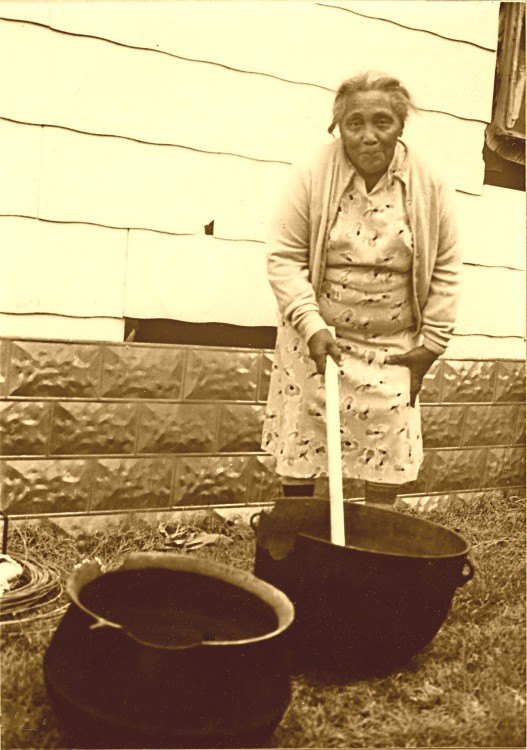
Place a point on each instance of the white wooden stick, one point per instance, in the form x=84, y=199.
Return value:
x=336, y=497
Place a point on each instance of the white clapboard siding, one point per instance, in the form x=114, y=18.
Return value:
x=492, y=227
x=20, y=148
x=39, y=12
x=66, y=269
x=470, y=21
x=485, y=347
x=43, y=326
x=300, y=41
x=454, y=146
x=155, y=98
x=161, y=99
x=492, y=302
x=197, y=279
x=121, y=183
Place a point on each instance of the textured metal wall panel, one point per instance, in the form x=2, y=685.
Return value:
x=505, y=467
x=5, y=356
x=468, y=381
x=45, y=486
x=24, y=427
x=178, y=428
x=265, y=376
x=519, y=433
x=93, y=427
x=268, y=479
x=431, y=390
x=217, y=480
x=230, y=375
x=426, y=478
x=456, y=469
x=510, y=384
x=48, y=369
x=121, y=483
x=442, y=426
x=142, y=372
x=490, y=425
x=240, y=427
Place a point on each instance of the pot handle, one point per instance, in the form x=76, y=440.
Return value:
x=252, y=520
x=467, y=573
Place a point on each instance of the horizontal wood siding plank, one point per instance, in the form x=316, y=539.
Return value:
x=485, y=347
x=68, y=269
x=20, y=149
x=492, y=302
x=43, y=326
x=473, y=21
x=492, y=227
x=198, y=279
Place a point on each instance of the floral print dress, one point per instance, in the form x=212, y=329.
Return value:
x=366, y=295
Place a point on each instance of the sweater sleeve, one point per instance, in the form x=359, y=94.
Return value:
x=439, y=313
x=288, y=257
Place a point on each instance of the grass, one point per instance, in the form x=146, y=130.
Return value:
x=467, y=689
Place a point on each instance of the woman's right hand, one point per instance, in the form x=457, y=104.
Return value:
x=320, y=345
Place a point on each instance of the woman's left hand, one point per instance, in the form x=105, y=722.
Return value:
x=418, y=361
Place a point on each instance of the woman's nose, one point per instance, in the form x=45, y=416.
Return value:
x=369, y=135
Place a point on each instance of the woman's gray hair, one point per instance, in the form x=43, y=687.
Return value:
x=401, y=100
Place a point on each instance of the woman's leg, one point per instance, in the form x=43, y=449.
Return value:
x=294, y=487
x=381, y=493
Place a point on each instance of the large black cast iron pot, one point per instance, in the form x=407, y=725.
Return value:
x=369, y=606
x=170, y=651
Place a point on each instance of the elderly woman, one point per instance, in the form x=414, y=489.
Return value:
x=364, y=242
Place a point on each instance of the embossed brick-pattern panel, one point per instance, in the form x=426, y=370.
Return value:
x=220, y=375
x=46, y=369
x=265, y=376
x=510, y=385
x=442, y=426
x=452, y=470
x=217, y=480
x=505, y=467
x=240, y=427
x=431, y=391
x=45, y=486
x=468, y=381
x=84, y=427
x=143, y=372
x=426, y=477
x=490, y=425
x=24, y=427
x=121, y=483
x=5, y=356
x=178, y=428
x=519, y=433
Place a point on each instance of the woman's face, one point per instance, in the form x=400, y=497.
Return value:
x=369, y=130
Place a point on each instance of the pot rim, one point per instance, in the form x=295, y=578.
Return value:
x=360, y=508
x=266, y=592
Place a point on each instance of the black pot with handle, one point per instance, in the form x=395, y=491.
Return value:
x=369, y=606
x=170, y=651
